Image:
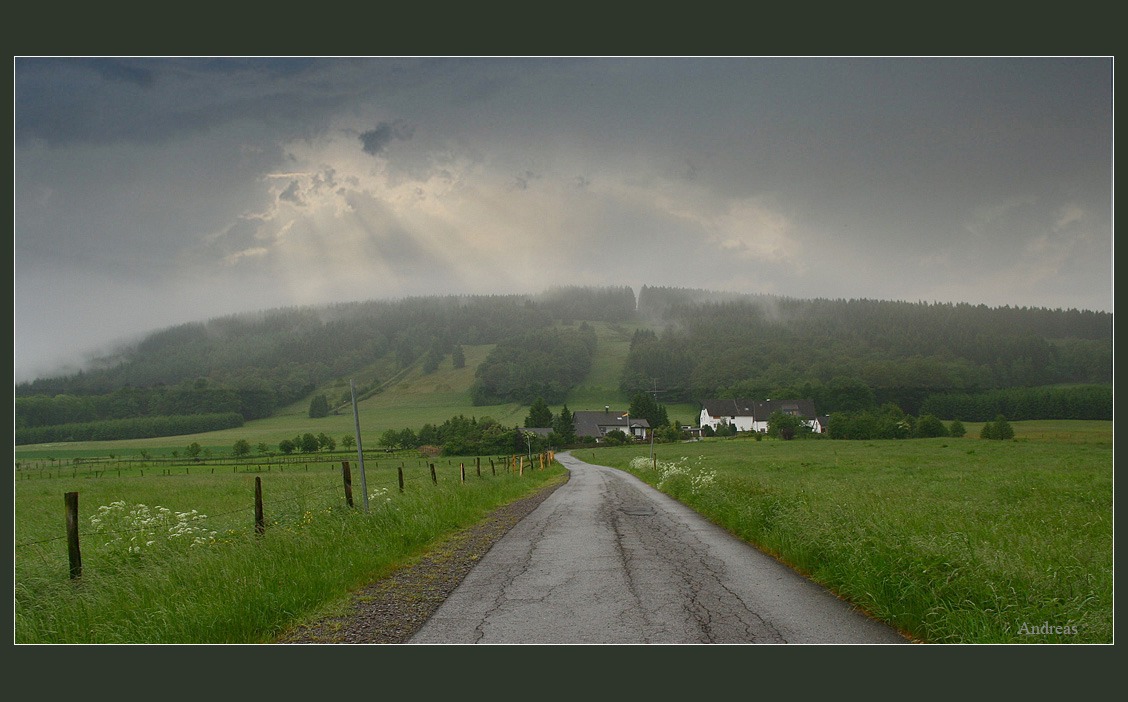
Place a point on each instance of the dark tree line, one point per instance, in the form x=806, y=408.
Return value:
x=542, y=363
x=256, y=363
x=1019, y=404
x=198, y=397
x=845, y=354
x=136, y=428
x=609, y=304
x=462, y=436
x=721, y=345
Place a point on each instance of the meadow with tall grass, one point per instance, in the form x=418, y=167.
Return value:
x=950, y=540
x=174, y=556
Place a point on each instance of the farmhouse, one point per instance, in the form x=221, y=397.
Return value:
x=753, y=415
x=597, y=424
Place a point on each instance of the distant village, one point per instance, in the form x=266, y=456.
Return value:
x=739, y=414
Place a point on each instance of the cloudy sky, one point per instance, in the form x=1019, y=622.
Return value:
x=151, y=192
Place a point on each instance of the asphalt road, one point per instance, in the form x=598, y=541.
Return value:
x=608, y=559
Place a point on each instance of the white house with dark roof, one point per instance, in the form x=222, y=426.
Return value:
x=597, y=424
x=753, y=415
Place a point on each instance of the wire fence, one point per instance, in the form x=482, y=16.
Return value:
x=73, y=535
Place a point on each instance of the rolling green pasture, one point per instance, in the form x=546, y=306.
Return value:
x=409, y=400
x=235, y=586
x=950, y=540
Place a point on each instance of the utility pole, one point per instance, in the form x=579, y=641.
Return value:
x=359, y=448
x=654, y=392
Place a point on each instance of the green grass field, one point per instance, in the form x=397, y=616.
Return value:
x=950, y=540
x=145, y=581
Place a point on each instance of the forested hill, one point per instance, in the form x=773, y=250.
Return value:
x=255, y=363
x=693, y=344
x=727, y=345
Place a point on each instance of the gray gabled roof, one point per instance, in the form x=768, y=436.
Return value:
x=728, y=408
x=593, y=423
x=765, y=409
x=758, y=410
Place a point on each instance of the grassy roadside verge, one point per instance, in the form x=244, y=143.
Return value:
x=237, y=587
x=950, y=540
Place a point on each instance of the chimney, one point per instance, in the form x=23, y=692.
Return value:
x=606, y=408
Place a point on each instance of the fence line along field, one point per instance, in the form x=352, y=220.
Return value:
x=951, y=540
x=175, y=557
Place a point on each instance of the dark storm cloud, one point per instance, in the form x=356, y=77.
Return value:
x=292, y=193
x=521, y=180
x=375, y=140
x=114, y=69
x=143, y=100
x=981, y=180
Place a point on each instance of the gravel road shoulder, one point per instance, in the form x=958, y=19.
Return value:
x=394, y=608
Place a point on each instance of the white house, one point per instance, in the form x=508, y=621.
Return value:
x=753, y=415
x=597, y=424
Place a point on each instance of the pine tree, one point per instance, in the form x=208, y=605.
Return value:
x=318, y=407
x=565, y=427
x=539, y=415
x=1003, y=429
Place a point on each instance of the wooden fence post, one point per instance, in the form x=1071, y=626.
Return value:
x=71, y=501
x=434, y=479
x=478, y=465
x=400, y=469
x=462, y=471
x=346, y=474
x=492, y=470
x=260, y=522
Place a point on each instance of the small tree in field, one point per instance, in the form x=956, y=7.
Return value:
x=1003, y=429
x=957, y=429
x=309, y=443
x=347, y=441
x=193, y=450
x=929, y=426
x=286, y=446
x=319, y=407
x=999, y=429
x=241, y=448
x=389, y=439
